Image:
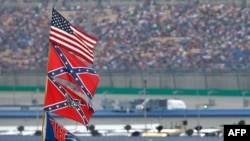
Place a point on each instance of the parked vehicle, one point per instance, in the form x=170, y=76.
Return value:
x=141, y=104
x=161, y=104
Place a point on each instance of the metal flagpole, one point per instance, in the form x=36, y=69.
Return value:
x=43, y=116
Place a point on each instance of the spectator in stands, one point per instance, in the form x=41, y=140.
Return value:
x=137, y=36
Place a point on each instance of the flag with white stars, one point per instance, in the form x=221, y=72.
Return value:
x=62, y=64
x=63, y=101
x=68, y=36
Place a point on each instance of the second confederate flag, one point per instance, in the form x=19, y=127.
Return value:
x=60, y=98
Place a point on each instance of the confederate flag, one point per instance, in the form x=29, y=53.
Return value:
x=62, y=101
x=65, y=65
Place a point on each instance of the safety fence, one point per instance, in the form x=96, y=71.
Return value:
x=148, y=91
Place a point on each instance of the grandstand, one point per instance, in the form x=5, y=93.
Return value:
x=174, y=34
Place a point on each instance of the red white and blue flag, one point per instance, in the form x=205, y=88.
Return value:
x=61, y=99
x=71, y=38
x=55, y=131
x=64, y=65
x=68, y=49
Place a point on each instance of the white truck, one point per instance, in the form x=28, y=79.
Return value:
x=161, y=104
x=140, y=104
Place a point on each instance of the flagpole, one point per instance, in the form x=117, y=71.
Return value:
x=43, y=118
x=45, y=91
x=43, y=133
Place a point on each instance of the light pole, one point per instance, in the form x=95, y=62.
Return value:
x=175, y=93
x=245, y=101
x=198, y=107
x=210, y=101
x=145, y=106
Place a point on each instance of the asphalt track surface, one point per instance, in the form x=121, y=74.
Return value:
x=117, y=138
x=221, y=102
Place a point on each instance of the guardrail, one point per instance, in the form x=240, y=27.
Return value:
x=153, y=114
x=149, y=91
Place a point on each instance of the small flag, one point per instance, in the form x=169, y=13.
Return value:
x=56, y=132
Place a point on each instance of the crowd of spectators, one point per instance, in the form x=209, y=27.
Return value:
x=138, y=36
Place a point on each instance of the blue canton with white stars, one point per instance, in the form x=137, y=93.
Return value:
x=60, y=22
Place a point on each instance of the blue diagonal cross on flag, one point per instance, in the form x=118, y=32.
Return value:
x=74, y=71
x=69, y=102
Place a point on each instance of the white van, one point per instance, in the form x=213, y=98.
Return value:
x=176, y=104
x=161, y=104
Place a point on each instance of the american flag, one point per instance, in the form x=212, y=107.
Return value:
x=67, y=36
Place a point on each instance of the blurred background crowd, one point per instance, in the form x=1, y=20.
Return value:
x=139, y=35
